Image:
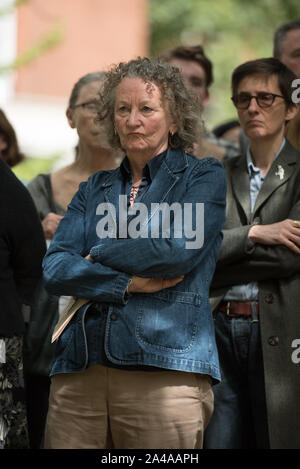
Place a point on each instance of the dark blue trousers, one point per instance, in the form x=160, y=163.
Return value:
x=240, y=415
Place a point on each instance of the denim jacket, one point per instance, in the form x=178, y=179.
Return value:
x=170, y=329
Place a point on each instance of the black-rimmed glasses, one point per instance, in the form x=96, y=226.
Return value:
x=90, y=106
x=243, y=100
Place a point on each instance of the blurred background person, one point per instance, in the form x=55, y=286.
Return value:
x=287, y=50
x=51, y=194
x=22, y=247
x=197, y=72
x=229, y=130
x=9, y=148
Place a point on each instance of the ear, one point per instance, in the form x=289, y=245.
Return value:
x=291, y=111
x=173, y=129
x=206, y=99
x=3, y=143
x=70, y=117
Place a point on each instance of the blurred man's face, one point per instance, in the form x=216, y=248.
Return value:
x=194, y=77
x=291, y=51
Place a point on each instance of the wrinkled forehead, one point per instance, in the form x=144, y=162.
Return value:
x=139, y=87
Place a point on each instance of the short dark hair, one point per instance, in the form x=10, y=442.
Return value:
x=84, y=80
x=11, y=155
x=191, y=53
x=183, y=107
x=280, y=34
x=267, y=67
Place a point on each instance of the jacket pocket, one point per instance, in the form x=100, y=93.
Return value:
x=168, y=321
x=71, y=347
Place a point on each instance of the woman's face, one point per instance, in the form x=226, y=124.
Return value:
x=142, y=119
x=263, y=123
x=82, y=118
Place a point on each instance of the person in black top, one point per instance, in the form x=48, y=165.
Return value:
x=22, y=247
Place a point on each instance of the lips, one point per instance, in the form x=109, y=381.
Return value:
x=254, y=122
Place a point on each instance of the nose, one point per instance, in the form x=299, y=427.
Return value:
x=253, y=106
x=133, y=118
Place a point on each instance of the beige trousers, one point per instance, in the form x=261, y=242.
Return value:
x=104, y=407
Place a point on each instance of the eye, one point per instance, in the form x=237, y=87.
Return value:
x=196, y=82
x=264, y=97
x=147, y=109
x=243, y=98
x=91, y=107
x=122, y=109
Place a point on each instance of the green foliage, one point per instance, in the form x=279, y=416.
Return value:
x=31, y=167
x=47, y=41
x=231, y=31
x=15, y=4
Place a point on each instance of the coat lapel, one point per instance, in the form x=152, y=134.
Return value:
x=279, y=173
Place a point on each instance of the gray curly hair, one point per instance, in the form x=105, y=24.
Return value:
x=184, y=107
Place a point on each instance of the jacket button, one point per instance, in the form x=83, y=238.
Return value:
x=269, y=298
x=113, y=316
x=273, y=340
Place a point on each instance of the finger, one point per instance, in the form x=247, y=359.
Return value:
x=295, y=239
x=292, y=246
x=296, y=223
x=171, y=282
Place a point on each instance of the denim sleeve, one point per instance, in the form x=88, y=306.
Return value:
x=67, y=272
x=170, y=257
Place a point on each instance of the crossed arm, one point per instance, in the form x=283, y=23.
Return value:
x=149, y=264
x=273, y=252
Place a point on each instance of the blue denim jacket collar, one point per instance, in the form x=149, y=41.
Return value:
x=174, y=163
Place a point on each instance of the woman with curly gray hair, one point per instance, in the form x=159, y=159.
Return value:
x=134, y=365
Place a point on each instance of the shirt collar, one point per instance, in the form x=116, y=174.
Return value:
x=149, y=170
x=252, y=169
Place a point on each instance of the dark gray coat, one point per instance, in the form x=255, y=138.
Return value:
x=277, y=270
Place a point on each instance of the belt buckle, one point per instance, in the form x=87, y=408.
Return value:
x=254, y=313
x=228, y=311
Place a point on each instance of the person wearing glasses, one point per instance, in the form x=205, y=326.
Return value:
x=255, y=292
x=52, y=194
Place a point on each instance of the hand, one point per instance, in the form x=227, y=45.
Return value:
x=50, y=224
x=283, y=232
x=152, y=285
x=148, y=285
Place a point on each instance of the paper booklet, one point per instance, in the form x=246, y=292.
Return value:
x=66, y=316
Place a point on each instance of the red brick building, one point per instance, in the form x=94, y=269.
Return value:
x=94, y=35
